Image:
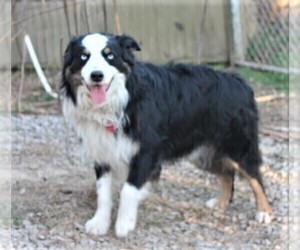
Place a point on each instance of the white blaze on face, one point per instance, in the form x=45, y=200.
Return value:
x=95, y=43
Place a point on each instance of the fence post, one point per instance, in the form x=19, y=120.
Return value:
x=238, y=54
x=294, y=111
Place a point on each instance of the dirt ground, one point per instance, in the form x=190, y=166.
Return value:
x=53, y=190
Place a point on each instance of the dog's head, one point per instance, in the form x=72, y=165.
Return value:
x=95, y=61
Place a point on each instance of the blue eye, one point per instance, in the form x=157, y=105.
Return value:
x=83, y=57
x=110, y=57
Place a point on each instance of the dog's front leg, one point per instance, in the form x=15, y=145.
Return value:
x=127, y=213
x=133, y=192
x=100, y=223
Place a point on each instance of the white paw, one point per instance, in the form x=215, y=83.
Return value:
x=124, y=225
x=97, y=226
x=264, y=217
x=211, y=203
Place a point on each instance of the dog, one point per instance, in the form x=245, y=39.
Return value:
x=133, y=116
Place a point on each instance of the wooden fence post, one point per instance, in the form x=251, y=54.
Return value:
x=238, y=53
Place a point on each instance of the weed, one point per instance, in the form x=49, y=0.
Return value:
x=16, y=216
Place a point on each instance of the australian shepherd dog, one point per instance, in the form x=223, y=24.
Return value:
x=133, y=116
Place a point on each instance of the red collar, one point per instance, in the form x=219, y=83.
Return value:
x=111, y=128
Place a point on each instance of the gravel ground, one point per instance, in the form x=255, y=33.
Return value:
x=53, y=195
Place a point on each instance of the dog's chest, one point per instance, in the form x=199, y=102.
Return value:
x=105, y=146
x=100, y=144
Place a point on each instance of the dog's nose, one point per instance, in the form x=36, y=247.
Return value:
x=97, y=76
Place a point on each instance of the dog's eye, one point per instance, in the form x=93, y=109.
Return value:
x=110, y=57
x=83, y=57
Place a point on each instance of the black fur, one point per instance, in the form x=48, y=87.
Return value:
x=74, y=48
x=100, y=170
x=175, y=108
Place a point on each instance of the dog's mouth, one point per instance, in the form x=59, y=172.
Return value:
x=98, y=92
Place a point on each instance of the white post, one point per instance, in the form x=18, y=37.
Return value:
x=38, y=67
x=236, y=30
x=294, y=145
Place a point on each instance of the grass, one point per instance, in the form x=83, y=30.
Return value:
x=295, y=83
x=16, y=216
x=38, y=95
x=278, y=81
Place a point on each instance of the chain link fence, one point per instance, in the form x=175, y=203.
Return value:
x=265, y=35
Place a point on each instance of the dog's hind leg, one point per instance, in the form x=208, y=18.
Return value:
x=249, y=168
x=264, y=213
x=226, y=177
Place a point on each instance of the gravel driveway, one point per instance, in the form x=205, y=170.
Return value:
x=53, y=195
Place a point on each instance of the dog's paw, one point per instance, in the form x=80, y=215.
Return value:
x=124, y=225
x=264, y=217
x=220, y=204
x=97, y=226
x=211, y=203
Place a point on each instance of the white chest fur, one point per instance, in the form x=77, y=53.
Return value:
x=100, y=145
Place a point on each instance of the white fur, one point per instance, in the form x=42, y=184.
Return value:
x=127, y=214
x=263, y=217
x=89, y=122
x=211, y=203
x=100, y=223
x=202, y=156
x=95, y=43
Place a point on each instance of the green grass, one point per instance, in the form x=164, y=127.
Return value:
x=277, y=80
x=295, y=83
x=16, y=216
x=38, y=96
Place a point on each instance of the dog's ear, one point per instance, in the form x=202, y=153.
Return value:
x=68, y=55
x=128, y=42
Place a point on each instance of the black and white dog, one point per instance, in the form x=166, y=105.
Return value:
x=133, y=116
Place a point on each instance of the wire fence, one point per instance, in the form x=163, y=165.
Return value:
x=265, y=35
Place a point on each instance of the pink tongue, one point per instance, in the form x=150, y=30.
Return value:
x=98, y=94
